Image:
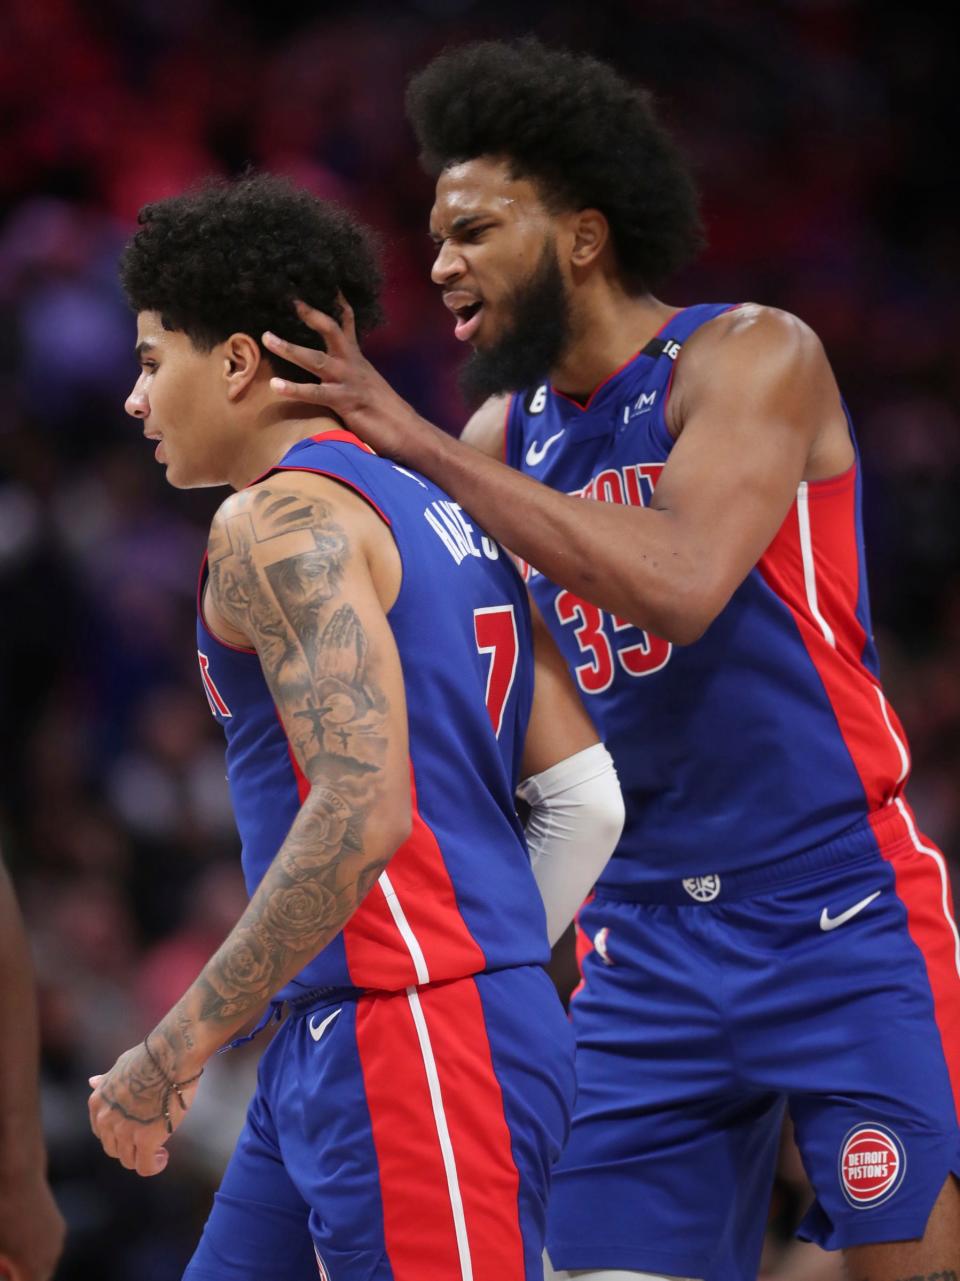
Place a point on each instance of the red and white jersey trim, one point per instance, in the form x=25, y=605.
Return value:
x=940, y=861
x=813, y=566
x=809, y=565
x=403, y=925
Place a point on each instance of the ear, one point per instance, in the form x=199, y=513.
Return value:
x=241, y=361
x=591, y=233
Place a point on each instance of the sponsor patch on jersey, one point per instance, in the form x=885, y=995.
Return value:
x=702, y=888
x=642, y=405
x=872, y=1165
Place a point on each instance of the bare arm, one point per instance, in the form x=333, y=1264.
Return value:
x=486, y=429
x=755, y=388
x=31, y=1229
x=559, y=726
x=289, y=571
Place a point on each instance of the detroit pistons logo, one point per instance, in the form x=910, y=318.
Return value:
x=872, y=1165
x=702, y=888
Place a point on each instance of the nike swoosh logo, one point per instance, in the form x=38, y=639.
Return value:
x=317, y=1030
x=536, y=453
x=828, y=922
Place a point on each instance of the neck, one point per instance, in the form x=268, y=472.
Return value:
x=609, y=327
x=274, y=435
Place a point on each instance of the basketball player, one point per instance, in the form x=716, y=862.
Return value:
x=367, y=649
x=773, y=929
x=31, y=1228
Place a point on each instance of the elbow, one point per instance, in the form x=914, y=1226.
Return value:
x=397, y=824
x=686, y=628
x=681, y=615
x=605, y=813
x=609, y=818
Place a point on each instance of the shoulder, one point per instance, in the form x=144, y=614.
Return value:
x=748, y=349
x=288, y=501
x=749, y=334
x=486, y=428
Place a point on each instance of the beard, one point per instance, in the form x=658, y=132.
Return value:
x=536, y=337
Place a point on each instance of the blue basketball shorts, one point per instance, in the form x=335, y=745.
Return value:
x=404, y=1136
x=828, y=984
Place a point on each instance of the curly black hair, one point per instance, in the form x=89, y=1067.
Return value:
x=586, y=136
x=231, y=256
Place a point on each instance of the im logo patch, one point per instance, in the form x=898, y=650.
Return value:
x=872, y=1165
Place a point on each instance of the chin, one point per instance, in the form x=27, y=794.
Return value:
x=181, y=478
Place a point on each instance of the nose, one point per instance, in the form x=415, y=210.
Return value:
x=449, y=265
x=136, y=404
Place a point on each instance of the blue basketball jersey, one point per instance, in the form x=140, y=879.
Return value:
x=459, y=897
x=771, y=734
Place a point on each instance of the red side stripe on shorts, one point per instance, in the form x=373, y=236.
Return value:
x=819, y=582
x=584, y=945
x=923, y=886
x=448, y=1182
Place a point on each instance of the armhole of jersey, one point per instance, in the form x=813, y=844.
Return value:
x=202, y=580
x=355, y=486
x=668, y=439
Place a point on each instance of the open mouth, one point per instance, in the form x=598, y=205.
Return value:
x=468, y=320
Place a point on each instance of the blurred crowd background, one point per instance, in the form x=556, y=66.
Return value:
x=823, y=134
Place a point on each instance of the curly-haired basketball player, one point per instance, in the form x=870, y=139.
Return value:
x=773, y=929
x=368, y=651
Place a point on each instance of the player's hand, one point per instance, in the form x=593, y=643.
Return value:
x=31, y=1227
x=351, y=387
x=127, y=1111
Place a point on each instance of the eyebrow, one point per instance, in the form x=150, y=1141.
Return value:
x=142, y=348
x=460, y=223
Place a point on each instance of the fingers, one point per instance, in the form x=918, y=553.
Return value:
x=308, y=393
x=151, y=1161
x=126, y=1151
x=326, y=326
x=135, y=1150
x=308, y=358
x=348, y=324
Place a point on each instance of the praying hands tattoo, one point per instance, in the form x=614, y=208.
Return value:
x=278, y=561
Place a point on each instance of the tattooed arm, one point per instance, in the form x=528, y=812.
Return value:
x=301, y=570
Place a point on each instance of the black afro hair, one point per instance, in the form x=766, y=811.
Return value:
x=231, y=256
x=586, y=137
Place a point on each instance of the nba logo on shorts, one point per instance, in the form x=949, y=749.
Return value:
x=872, y=1165
x=324, y=1274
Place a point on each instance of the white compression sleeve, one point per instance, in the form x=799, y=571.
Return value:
x=576, y=817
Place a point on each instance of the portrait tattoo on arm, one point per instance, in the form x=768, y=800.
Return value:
x=277, y=563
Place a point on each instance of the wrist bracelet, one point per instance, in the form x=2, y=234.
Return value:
x=173, y=1087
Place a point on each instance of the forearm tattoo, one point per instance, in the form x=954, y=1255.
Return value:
x=277, y=564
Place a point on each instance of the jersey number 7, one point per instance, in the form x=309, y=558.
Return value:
x=495, y=629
